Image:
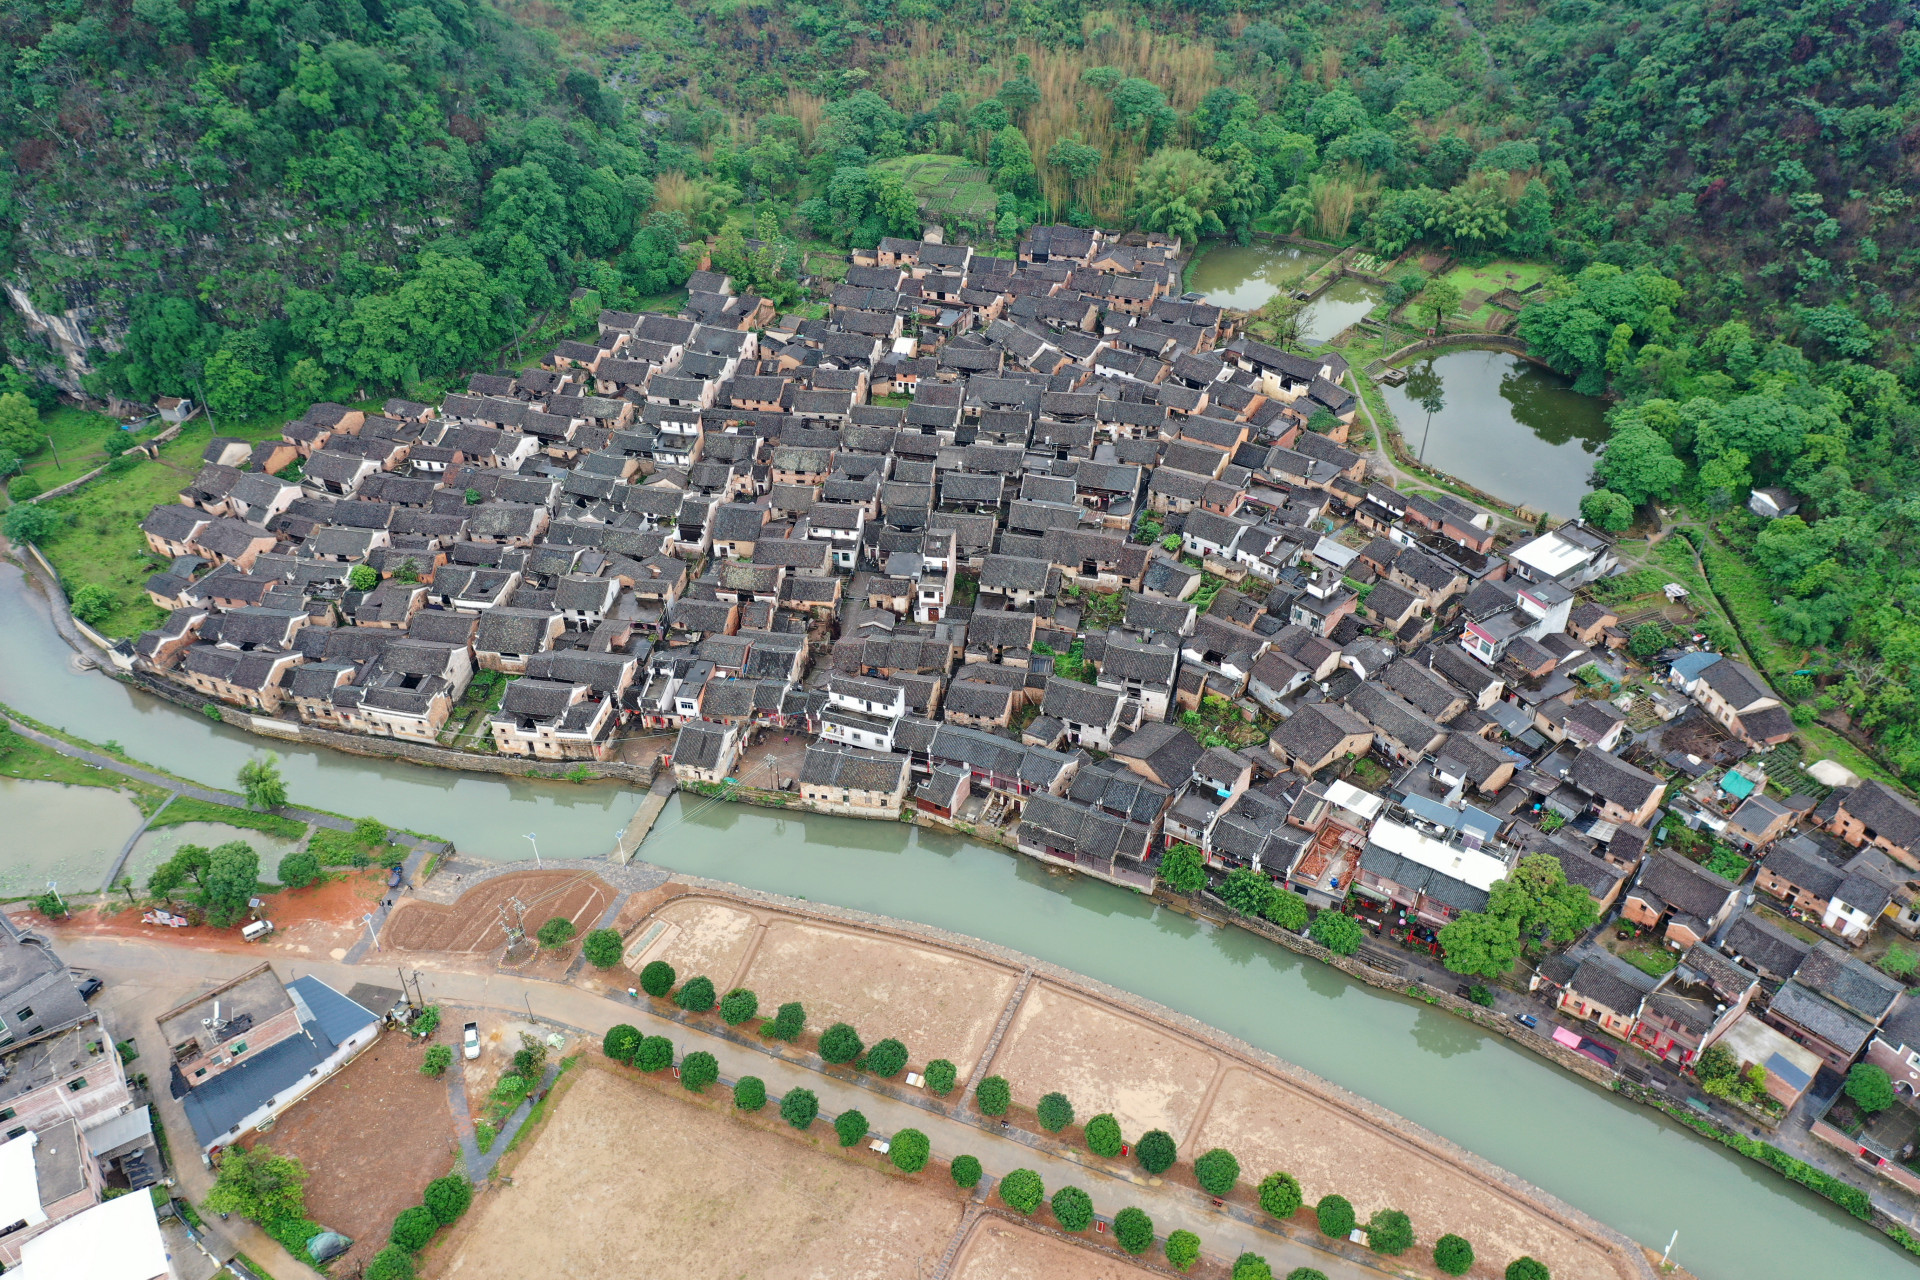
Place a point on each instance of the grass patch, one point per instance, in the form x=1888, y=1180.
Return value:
x=1502, y=273
x=101, y=542
x=345, y=849
x=23, y=758
x=186, y=809
x=78, y=444
x=1649, y=957
x=1825, y=744
x=1780, y=920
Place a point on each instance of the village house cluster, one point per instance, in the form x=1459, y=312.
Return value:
x=1015, y=543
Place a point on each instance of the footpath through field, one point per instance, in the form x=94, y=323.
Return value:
x=1224, y=1233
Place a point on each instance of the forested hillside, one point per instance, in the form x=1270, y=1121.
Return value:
x=272, y=200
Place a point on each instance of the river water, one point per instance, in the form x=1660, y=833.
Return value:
x=1502, y=424
x=1624, y=1164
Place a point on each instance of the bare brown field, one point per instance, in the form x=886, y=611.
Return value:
x=700, y=937
x=1104, y=1060
x=473, y=922
x=1270, y=1125
x=625, y=1182
x=939, y=1003
x=1000, y=1250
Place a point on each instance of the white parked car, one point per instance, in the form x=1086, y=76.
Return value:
x=470, y=1041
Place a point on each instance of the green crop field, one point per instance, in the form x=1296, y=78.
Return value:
x=948, y=186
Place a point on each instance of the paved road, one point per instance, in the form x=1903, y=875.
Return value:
x=144, y=977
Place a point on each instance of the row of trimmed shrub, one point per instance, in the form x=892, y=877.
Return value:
x=445, y=1200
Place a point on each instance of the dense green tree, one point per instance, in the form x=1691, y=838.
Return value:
x=910, y=1150
x=28, y=523
x=556, y=932
x=1217, y=1171
x=657, y=978
x=653, y=1053
x=993, y=1096
x=261, y=782
x=1288, y=910
x=698, y=1070
x=1133, y=1230
x=1638, y=464
x=1525, y=1268
x=941, y=1076
x=1337, y=932
x=1072, y=1208
x=1251, y=1266
x=799, y=1107
x=966, y=1171
x=1280, y=1195
x=1608, y=510
x=1103, y=1136
x=1335, y=1216
x=696, y=994
x=749, y=1093
x=232, y=878
x=1648, y=639
x=1022, y=1191
x=391, y=1263
x=1055, y=1112
x=738, y=1005
x=1870, y=1087
x=840, y=1043
x=603, y=948
x=1155, y=1151
x=447, y=1198
x=621, y=1042
x=298, y=870
x=1183, y=868
x=788, y=1021
x=1390, y=1232
x=1175, y=191
x=850, y=1126
x=413, y=1228
x=1453, y=1255
x=1183, y=1250
x=259, y=1185
x=886, y=1059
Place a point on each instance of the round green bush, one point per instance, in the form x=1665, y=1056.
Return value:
x=1336, y=932
x=23, y=487
x=994, y=1096
x=557, y=932
x=886, y=1059
x=696, y=995
x=621, y=1042
x=1022, y=1190
x=298, y=870
x=1527, y=1269
x=1389, y=1231
x=603, y=948
x=657, y=978
x=738, y=1005
x=840, y=1043
x=1073, y=1208
x=698, y=1070
x=1155, y=1151
x=1306, y=1273
x=1288, y=910
x=1055, y=1112
x=391, y=1263
x=910, y=1151
x=1280, y=1195
x=1335, y=1215
x=1183, y=1250
x=1134, y=1230
x=1453, y=1255
x=413, y=1228
x=787, y=1022
x=1103, y=1136
x=1251, y=1266
x=942, y=1076
x=654, y=1054
x=799, y=1107
x=965, y=1171
x=447, y=1198
x=851, y=1126
x=750, y=1093
x=1217, y=1171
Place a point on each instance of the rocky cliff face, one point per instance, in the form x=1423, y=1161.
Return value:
x=71, y=348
